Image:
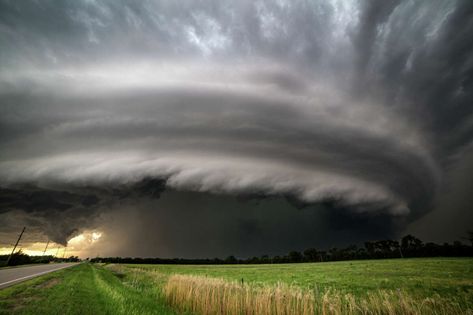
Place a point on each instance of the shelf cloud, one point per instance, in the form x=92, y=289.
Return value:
x=350, y=112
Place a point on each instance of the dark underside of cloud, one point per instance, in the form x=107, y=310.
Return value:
x=214, y=128
x=147, y=218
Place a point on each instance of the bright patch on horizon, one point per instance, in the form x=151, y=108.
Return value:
x=83, y=242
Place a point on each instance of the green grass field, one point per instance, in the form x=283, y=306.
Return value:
x=138, y=289
x=419, y=276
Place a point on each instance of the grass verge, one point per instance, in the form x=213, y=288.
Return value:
x=84, y=289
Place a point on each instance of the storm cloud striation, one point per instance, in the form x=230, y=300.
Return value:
x=346, y=120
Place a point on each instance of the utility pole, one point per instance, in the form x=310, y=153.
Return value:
x=46, y=248
x=19, y=238
x=64, y=254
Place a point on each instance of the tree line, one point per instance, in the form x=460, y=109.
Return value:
x=410, y=246
x=20, y=258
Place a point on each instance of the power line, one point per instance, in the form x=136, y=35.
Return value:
x=46, y=248
x=19, y=238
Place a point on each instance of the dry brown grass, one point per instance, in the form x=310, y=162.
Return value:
x=216, y=296
x=209, y=296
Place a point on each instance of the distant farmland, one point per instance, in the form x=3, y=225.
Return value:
x=397, y=286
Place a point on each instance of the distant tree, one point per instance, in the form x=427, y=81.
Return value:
x=295, y=256
x=361, y=253
x=349, y=253
x=231, y=260
x=265, y=259
x=73, y=259
x=311, y=254
x=370, y=249
x=19, y=258
x=277, y=259
x=254, y=260
x=386, y=248
x=432, y=250
x=410, y=241
x=411, y=246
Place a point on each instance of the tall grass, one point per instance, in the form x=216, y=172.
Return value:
x=209, y=296
x=216, y=296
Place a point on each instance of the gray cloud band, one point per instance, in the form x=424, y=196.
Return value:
x=230, y=135
x=317, y=101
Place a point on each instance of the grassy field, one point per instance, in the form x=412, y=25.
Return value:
x=415, y=286
x=418, y=276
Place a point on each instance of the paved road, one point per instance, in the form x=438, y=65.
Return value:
x=10, y=276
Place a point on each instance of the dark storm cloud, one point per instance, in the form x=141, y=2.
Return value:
x=425, y=67
x=356, y=108
x=60, y=212
x=189, y=224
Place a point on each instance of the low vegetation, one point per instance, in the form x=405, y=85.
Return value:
x=20, y=258
x=85, y=289
x=211, y=296
x=393, y=286
x=421, y=277
x=203, y=295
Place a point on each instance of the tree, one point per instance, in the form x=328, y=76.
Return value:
x=411, y=245
x=19, y=258
x=371, y=248
x=311, y=254
x=231, y=260
x=295, y=256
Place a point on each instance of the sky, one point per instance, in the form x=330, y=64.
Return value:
x=214, y=128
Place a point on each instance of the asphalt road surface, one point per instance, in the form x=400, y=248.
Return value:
x=10, y=276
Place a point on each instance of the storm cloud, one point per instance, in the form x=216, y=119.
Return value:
x=344, y=118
